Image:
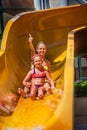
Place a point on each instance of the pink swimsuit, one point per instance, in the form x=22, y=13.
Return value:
x=42, y=75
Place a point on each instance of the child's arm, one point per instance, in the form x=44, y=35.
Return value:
x=31, y=45
x=27, y=78
x=50, y=80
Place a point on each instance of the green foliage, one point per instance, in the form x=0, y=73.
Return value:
x=81, y=89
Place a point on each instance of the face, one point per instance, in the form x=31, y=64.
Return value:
x=38, y=62
x=41, y=50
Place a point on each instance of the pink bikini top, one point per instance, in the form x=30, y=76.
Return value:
x=42, y=75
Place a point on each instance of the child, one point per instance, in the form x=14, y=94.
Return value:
x=37, y=76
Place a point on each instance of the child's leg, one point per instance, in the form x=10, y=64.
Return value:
x=47, y=87
x=40, y=92
x=24, y=92
x=33, y=92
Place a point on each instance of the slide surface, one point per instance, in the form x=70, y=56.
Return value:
x=54, y=27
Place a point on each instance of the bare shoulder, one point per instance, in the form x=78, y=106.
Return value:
x=30, y=72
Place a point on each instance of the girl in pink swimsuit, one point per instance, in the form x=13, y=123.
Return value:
x=37, y=76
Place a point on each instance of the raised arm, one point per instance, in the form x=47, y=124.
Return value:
x=30, y=40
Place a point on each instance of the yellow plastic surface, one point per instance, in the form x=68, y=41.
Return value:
x=52, y=26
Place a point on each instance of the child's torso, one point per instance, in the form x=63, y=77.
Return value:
x=38, y=77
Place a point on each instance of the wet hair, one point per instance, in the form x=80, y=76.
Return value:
x=41, y=43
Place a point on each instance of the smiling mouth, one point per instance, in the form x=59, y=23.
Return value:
x=38, y=64
x=41, y=52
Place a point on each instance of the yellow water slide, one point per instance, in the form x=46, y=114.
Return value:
x=57, y=28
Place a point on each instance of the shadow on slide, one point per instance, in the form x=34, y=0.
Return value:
x=64, y=32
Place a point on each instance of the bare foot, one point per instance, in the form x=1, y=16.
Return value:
x=40, y=96
x=21, y=92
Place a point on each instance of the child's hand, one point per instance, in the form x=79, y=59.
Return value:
x=30, y=38
x=52, y=87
